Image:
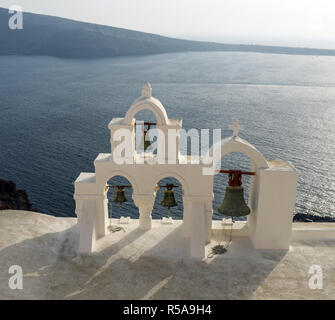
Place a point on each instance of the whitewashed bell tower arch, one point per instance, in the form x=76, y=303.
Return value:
x=274, y=183
x=147, y=102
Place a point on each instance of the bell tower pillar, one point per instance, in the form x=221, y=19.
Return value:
x=187, y=217
x=208, y=219
x=270, y=222
x=122, y=134
x=145, y=205
x=198, y=229
x=85, y=209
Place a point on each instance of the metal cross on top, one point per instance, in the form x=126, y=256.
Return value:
x=235, y=127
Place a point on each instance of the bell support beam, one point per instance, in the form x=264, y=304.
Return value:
x=235, y=176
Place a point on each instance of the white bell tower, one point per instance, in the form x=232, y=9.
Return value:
x=272, y=188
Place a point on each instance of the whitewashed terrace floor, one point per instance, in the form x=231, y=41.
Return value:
x=151, y=265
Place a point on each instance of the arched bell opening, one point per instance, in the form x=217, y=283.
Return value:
x=145, y=121
x=120, y=198
x=231, y=161
x=163, y=198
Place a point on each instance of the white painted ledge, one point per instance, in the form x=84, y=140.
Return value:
x=309, y=231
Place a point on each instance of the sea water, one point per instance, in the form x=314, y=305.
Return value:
x=55, y=112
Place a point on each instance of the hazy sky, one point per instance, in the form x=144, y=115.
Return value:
x=279, y=22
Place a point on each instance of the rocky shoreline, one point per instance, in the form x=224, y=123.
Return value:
x=299, y=217
x=12, y=198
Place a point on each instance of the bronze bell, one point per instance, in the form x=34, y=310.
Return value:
x=145, y=144
x=120, y=196
x=233, y=204
x=169, y=199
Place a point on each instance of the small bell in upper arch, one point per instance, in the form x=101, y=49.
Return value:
x=120, y=196
x=146, y=145
x=145, y=141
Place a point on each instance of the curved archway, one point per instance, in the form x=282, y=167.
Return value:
x=183, y=182
x=128, y=208
x=115, y=173
x=160, y=211
x=230, y=161
x=236, y=144
x=142, y=117
x=151, y=104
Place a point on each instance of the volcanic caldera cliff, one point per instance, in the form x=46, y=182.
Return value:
x=12, y=198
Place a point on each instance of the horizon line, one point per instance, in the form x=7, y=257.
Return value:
x=176, y=37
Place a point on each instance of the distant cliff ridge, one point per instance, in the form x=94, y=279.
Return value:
x=12, y=198
x=58, y=37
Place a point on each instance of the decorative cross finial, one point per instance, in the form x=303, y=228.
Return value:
x=235, y=127
x=146, y=90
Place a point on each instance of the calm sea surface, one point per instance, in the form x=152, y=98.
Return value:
x=54, y=117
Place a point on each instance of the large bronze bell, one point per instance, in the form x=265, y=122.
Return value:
x=169, y=199
x=233, y=204
x=120, y=196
